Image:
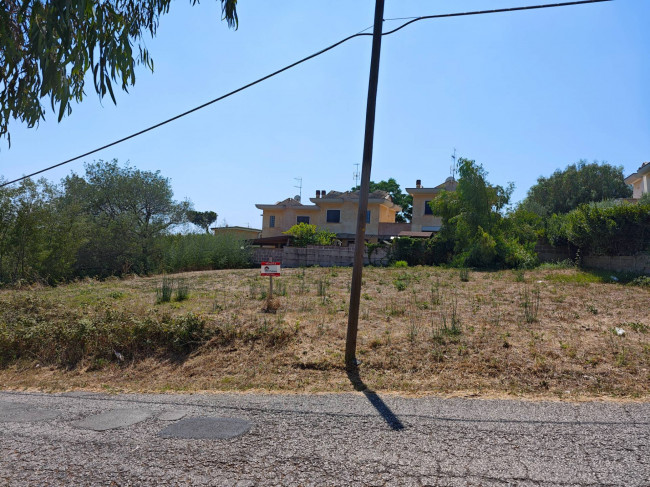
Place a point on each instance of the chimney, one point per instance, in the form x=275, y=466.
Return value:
x=318, y=193
x=418, y=183
x=323, y=193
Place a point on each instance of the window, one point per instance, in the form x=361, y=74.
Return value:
x=333, y=216
x=302, y=219
x=368, y=216
x=272, y=221
x=427, y=208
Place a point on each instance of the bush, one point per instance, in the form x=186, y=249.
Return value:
x=597, y=229
x=306, y=234
x=65, y=338
x=409, y=250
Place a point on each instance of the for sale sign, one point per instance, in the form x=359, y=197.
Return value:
x=270, y=269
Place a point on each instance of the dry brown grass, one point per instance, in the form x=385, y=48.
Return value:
x=435, y=335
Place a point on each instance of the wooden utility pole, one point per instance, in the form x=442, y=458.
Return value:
x=359, y=240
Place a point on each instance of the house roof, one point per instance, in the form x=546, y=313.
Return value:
x=287, y=203
x=449, y=185
x=375, y=197
x=234, y=227
x=643, y=169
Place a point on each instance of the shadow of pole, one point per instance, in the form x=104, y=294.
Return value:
x=376, y=401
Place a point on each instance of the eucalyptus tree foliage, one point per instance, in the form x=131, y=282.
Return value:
x=48, y=46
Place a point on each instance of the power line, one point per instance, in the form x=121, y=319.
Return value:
x=293, y=65
x=500, y=10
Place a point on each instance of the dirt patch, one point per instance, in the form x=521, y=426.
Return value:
x=543, y=333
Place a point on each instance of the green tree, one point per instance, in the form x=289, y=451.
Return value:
x=579, y=183
x=474, y=230
x=202, y=219
x=127, y=210
x=48, y=46
x=393, y=188
x=306, y=234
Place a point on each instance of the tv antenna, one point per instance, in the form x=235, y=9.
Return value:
x=299, y=186
x=454, y=165
x=355, y=175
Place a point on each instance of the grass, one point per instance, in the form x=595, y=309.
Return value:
x=491, y=335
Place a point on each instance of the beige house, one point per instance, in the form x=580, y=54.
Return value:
x=640, y=181
x=337, y=212
x=334, y=211
x=423, y=219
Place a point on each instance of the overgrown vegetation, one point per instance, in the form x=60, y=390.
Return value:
x=194, y=252
x=113, y=220
x=603, y=229
x=552, y=333
x=475, y=231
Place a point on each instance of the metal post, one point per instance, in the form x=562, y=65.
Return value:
x=270, y=287
x=359, y=241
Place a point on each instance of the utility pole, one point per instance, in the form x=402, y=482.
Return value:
x=359, y=240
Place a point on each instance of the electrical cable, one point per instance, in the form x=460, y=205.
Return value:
x=311, y=56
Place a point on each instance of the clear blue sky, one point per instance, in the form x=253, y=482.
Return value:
x=521, y=93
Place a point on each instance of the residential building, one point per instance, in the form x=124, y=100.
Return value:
x=337, y=212
x=640, y=181
x=334, y=211
x=423, y=219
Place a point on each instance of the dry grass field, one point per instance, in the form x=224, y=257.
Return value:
x=550, y=332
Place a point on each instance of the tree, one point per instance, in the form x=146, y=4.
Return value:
x=47, y=47
x=579, y=183
x=126, y=209
x=474, y=230
x=404, y=200
x=202, y=219
x=306, y=234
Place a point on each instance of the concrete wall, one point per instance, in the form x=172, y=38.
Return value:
x=638, y=264
x=324, y=256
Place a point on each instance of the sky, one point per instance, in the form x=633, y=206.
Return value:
x=521, y=93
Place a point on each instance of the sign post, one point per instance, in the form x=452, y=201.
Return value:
x=270, y=269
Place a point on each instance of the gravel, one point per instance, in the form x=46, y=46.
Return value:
x=334, y=439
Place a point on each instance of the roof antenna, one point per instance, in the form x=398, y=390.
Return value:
x=299, y=186
x=454, y=165
x=355, y=175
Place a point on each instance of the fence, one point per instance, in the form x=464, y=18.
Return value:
x=637, y=264
x=323, y=256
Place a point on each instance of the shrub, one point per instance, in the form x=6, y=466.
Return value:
x=70, y=338
x=598, y=229
x=306, y=234
x=409, y=250
x=641, y=281
x=164, y=292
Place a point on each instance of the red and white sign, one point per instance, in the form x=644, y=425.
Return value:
x=270, y=269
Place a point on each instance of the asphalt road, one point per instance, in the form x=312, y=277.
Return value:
x=342, y=439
